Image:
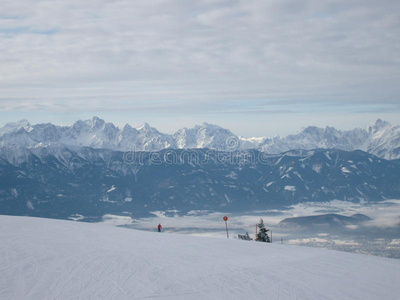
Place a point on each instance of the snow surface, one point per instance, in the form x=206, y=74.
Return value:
x=54, y=259
x=290, y=188
x=113, y=188
x=345, y=170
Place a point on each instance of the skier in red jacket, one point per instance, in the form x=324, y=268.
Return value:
x=159, y=227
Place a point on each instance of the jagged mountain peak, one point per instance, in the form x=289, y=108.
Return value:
x=311, y=129
x=23, y=122
x=380, y=139
x=314, y=130
x=15, y=126
x=80, y=124
x=145, y=126
x=203, y=136
x=99, y=124
x=208, y=125
x=379, y=125
x=330, y=129
x=128, y=128
x=96, y=122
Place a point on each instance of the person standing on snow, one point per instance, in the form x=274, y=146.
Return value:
x=159, y=227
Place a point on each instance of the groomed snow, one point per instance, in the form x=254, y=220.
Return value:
x=53, y=259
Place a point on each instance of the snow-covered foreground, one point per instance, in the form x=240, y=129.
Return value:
x=53, y=259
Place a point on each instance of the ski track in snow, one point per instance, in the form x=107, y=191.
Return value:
x=53, y=259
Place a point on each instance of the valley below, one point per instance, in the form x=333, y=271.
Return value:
x=378, y=236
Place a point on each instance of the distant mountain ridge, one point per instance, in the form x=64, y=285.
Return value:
x=325, y=221
x=381, y=139
x=60, y=182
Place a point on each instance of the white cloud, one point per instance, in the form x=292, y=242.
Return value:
x=207, y=57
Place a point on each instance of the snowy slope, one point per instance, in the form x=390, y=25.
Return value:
x=52, y=259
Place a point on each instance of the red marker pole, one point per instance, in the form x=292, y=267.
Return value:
x=226, y=226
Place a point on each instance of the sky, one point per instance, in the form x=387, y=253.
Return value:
x=259, y=68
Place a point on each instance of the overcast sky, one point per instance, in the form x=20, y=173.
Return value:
x=259, y=68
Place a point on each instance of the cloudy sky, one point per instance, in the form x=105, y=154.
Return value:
x=256, y=67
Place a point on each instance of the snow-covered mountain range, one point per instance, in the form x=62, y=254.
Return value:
x=59, y=182
x=381, y=139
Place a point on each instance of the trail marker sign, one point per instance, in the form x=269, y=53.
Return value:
x=225, y=218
